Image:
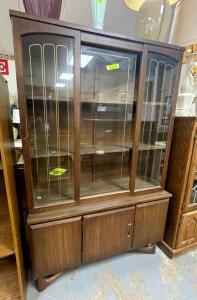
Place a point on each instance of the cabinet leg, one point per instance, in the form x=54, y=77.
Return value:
x=149, y=249
x=44, y=282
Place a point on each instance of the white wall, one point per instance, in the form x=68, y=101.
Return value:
x=11, y=79
x=6, y=43
x=184, y=33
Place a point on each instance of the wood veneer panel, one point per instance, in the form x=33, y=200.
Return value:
x=188, y=230
x=191, y=181
x=55, y=246
x=113, y=202
x=177, y=175
x=150, y=219
x=108, y=233
x=7, y=156
x=6, y=241
x=9, y=288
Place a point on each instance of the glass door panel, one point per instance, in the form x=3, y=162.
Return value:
x=48, y=74
x=107, y=106
x=191, y=190
x=193, y=199
x=156, y=112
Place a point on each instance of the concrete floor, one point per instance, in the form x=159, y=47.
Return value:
x=130, y=276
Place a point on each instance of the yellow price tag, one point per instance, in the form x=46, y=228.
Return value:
x=57, y=172
x=113, y=67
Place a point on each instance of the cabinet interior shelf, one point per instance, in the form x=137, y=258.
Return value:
x=107, y=120
x=154, y=103
x=6, y=243
x=88, y=149
x=98, y=187
x=95, y=149
x=116, y=185
x=9, y=279
x=94, y=101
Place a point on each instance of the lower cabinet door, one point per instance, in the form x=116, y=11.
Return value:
x=107, y=233
x=188, y=229
x=150, y=222
x=55, y=246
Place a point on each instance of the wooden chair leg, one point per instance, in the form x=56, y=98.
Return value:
x=43, y=283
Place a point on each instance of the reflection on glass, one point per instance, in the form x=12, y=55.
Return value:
x=107, y=101
x=48, y=73
x=193, y=199
x=156, y=112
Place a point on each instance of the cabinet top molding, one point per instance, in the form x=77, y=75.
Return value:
x=85, y=29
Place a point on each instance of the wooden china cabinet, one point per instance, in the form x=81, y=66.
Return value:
x=96, y=121
x=181, y=228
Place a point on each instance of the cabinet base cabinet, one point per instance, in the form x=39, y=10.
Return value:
x=60, y=245
x=188, y=230
x=150, y=219
x=186, y=238
x=181, y=227
x=107, y=233
x=55, y=246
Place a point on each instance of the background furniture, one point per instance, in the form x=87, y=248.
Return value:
x=96, y=123
x=12, y=274
x=181, y=228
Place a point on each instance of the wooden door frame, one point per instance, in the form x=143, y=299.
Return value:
x=177, y=56
x=183, y=223
x=187, y=206
x=94, y=40
x=8, y=162
x=23, y=27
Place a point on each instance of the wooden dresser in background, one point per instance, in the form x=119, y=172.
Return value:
x=12, y=274
x=181, y=228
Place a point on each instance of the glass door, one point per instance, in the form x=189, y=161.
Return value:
x=49, y=77
x=191, y=190
x=155, y=120
x=107, y=113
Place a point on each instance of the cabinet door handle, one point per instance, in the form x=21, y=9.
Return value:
x=129, y=230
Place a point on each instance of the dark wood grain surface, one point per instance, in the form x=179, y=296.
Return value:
x=55, y=246
x=108, y=233
x=188, y=230
x=178, y=171
x=150, y=222
x=8, y=161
